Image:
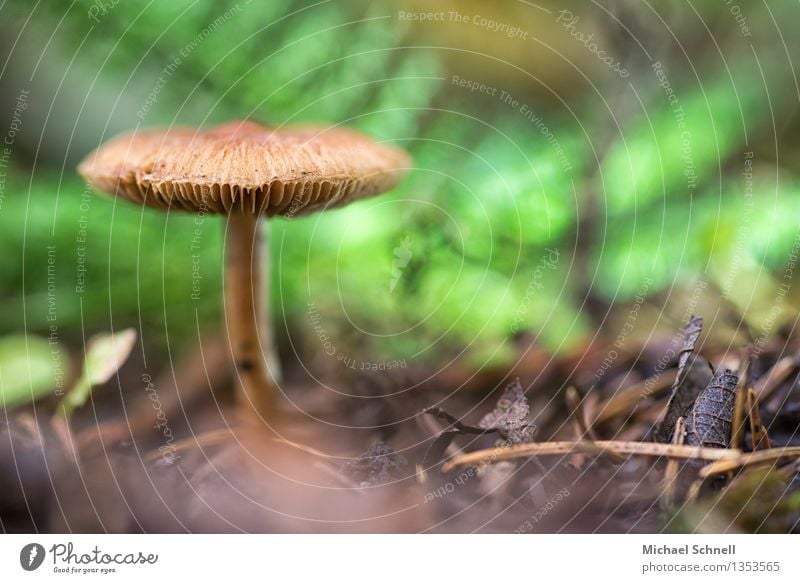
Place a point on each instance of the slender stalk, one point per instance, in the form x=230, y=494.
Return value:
x=671, y=471
x=247, y=314
x=624, y=401
x=497, y=454
x=750, y=460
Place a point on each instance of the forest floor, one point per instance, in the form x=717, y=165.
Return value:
x=677, y=433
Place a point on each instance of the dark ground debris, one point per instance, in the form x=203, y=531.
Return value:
x=309, y=475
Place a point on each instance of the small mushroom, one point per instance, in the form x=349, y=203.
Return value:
x=245, y=170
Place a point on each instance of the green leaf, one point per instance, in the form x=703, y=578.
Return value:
x=30, y=367
x=105, y=354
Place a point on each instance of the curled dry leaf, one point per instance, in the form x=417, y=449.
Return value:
x=510, y=416
x=709, y=423
x=694, y=375
x=509, y=419
x=442, y=441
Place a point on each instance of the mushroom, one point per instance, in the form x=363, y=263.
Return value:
x=245, y=170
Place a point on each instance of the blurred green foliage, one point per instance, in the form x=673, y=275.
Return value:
x=30, y=367
x=491, y=194
x=105, y=354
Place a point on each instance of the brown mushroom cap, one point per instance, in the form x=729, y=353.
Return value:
x=244, y=166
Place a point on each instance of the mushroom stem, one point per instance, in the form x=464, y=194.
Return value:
x=247, y=313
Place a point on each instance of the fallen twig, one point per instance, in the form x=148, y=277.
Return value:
x=646, y=448
x=758, y=433
x=767, y=384
x=305, y=448
x=750, y=460
x=740, y=404
x=582, y=429
x=671, y=471
x=200, y=440
x=626, y=399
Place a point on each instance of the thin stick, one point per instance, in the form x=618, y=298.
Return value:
x=671, y=471
x=206, y=439
x=579, y=425
x=496, y=454
x=324, y=463
x=305, y=448
x=767, y=384
x=758, y=433
x=338, y=476
x=626, y=399
x=582, y=428
x=247, y=314
x=694, y=491
x=740, y=404
x=750, y=460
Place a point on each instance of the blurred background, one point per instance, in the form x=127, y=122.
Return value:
x=571, y=160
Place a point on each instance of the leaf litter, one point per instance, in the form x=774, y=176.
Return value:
x=512, y=470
